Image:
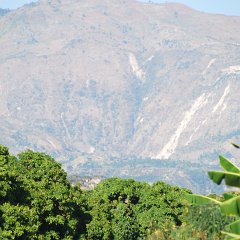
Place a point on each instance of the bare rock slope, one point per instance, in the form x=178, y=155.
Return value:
x=120, y=87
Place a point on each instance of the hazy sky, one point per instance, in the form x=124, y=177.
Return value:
x=229, y=7
x=12, y=4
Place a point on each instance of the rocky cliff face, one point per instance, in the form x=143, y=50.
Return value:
x=95, y=82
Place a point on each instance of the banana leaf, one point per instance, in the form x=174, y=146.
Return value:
x=231, y=179
x=235, y=227
x=232, y=236
x=200, y=199
x=231, y=206
x=228, y=196
x=228, y=166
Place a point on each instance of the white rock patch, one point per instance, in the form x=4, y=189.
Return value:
x=172, y=144
x=209, y=65
x=52, y=143
x=91, y=149
x=149, y=59
x=232, y=70
x=139, y=73
x=65, y=126
x=221, y=101
x=195, y=130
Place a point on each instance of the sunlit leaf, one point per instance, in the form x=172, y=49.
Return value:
x=228, y=166
x=231, y=179
x=232, y=235
x=235, y=227
x=231, y=206
x=200, y=200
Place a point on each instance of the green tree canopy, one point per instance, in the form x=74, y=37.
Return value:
x=45, y=206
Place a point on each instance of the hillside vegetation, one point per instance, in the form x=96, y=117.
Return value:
x=37, y=201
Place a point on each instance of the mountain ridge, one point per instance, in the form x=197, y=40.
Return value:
x=90, y=82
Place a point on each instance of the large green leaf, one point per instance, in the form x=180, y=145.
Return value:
x=228, y=196
x=200, y=199
x=231, y=179
x=228, y=166
x=231, y=206
x=235, y=227
x=232, y=236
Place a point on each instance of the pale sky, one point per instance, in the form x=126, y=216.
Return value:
x=228, y=7
x=13, y=4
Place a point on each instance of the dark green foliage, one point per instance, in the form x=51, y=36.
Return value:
x=18, y=222
x=209, y=219
x=8, y=181
x=124, y=223
x=126, y=209
x=199, y=222
x=37, y=201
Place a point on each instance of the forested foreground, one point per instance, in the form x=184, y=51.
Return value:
x=37, y=201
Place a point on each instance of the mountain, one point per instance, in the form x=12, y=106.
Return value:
x=120, y=87
x=3, y=11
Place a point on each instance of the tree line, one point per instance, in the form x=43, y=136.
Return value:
x=37, y=201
